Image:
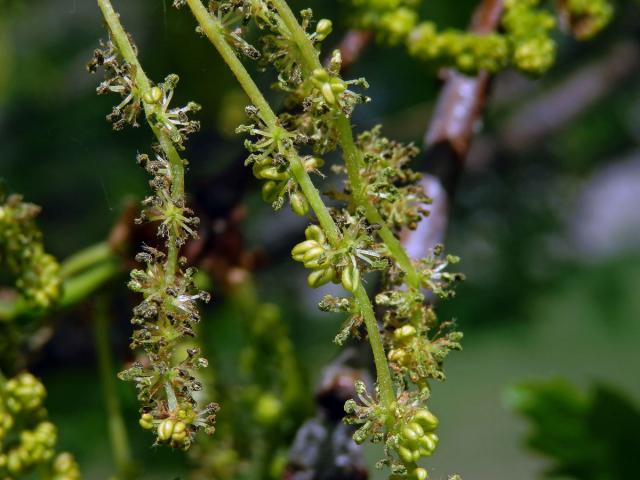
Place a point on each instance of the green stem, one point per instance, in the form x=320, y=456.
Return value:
x=117, y=430
x=85, y=259
x=78, y=288
x=75, y=289
x=352, y=160
x=152, y=111
x=352, y=155
x=214, y=31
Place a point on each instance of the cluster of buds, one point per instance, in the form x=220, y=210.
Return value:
x=417, y=438
x=390, y=184
x=468, y=52
x=175, y=122
x=178, y=426
x=529, y=32
x=171, y=214
x=27, y=438
x=524, y=43
x=120, y=78
x=418, y=356
x=327, y=92
x=37, y=274
x=406, y=428
x=315, y=254
x=267, y=155
x=23, y=393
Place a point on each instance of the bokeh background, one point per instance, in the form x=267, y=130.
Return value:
x=546, y=218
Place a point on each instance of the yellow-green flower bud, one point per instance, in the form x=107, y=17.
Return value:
x=350, y=278
x=321, y=75
x=314, y=232
x=420, y=474
x=427, y=419
x=327, y=93
x=153, y=95
x=404, y=332
x=270, y=191
x=271, y=173
x=318, y=278
x=302, y=248
x=299, y=204
x=324, y=29
x=165, y=429
x=146, y=421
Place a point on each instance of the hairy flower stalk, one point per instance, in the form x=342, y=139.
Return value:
x=165, y=381
x=379, y=198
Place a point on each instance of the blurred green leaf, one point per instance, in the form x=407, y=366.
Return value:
x=587, y=437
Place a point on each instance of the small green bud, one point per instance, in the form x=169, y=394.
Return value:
x=416, y=428
x=321, y=75
x=154, y=95
x=420, y=474
x=165, y=429
x=318, y=278
x=429, y=442
x=327, y=93
x=409, y=434
x=270, y=191
x=313, y=163
x=179, y=434
x=405, y=454
x=313, y=254
x=404, y=332
x=314, y=232
x=324, y=29
x=427, y=419
x=396, y=355
x=350, y=278
x=338, y=86
x=271, y=173
x=299, y=204
x=146, y=421
x=298, y=252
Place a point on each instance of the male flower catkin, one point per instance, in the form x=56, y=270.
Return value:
x=27, y=438
x=22, y=253
x=167, y=315
x=359, y=233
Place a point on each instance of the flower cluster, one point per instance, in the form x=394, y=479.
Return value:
x=529, y=33
x=27, y=438
x=22, y=253
x=390, y=184
x=167, y=315
x=525, y=42
x=380, y=197
x=120, y=78
x=412, y=434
